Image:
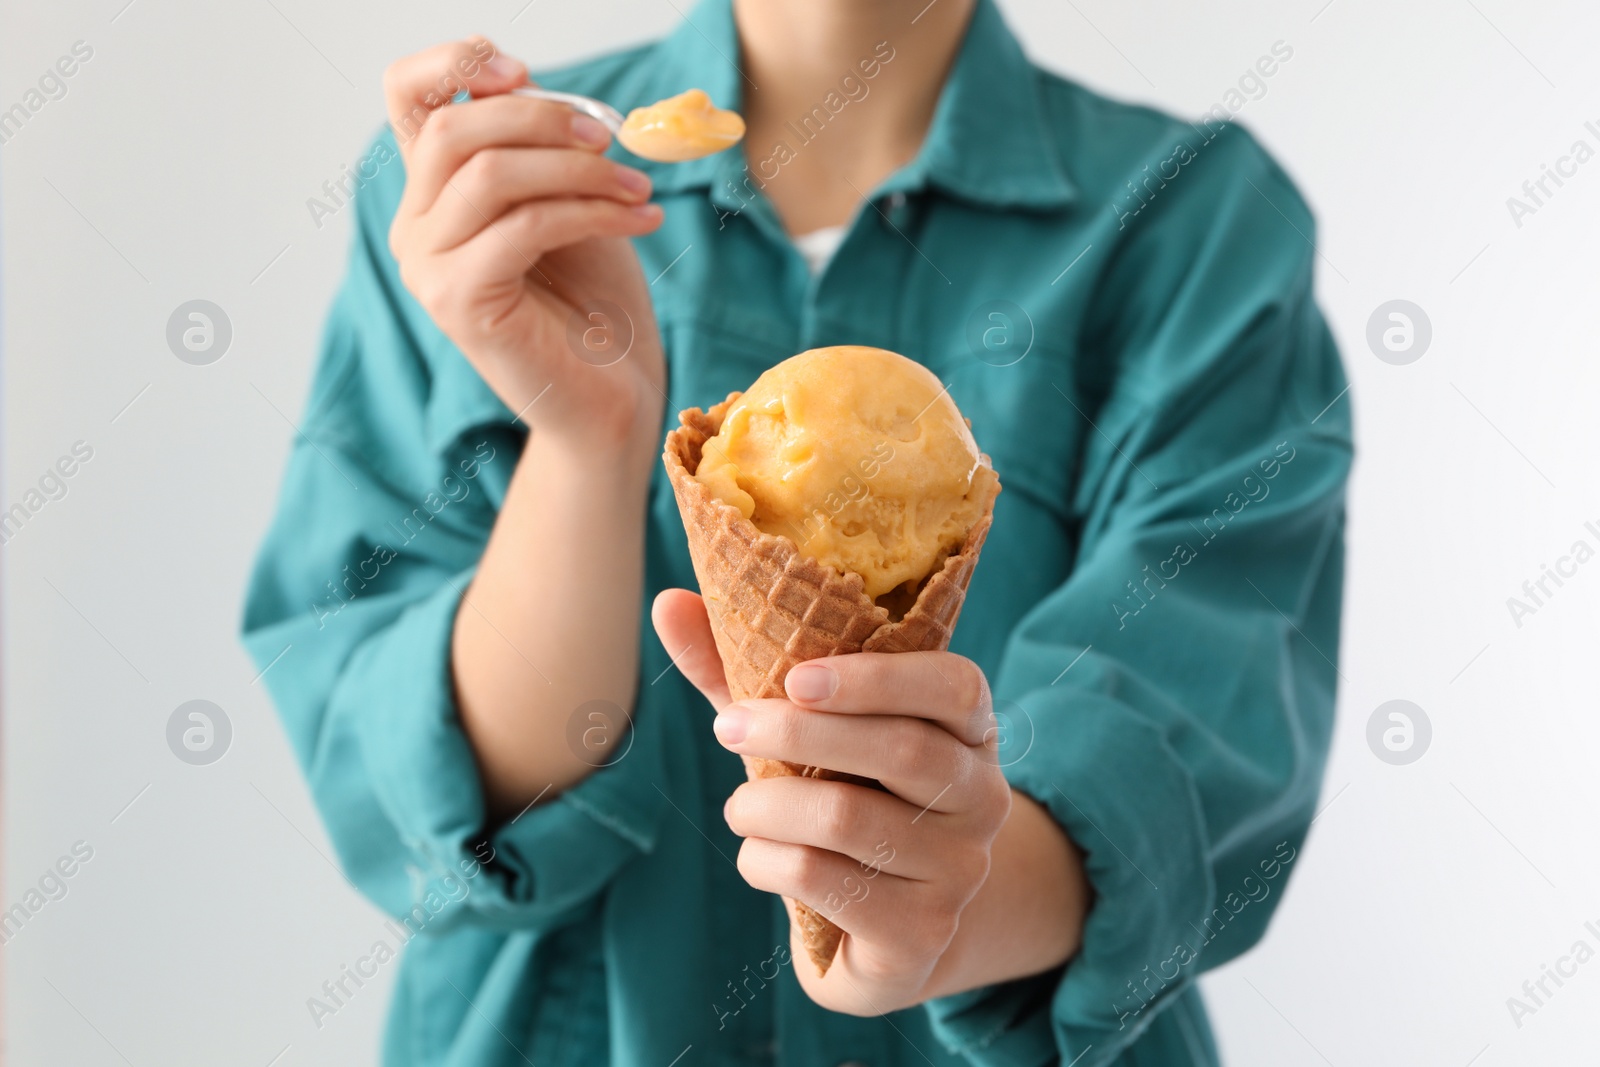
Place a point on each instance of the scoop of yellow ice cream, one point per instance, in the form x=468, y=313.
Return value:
x=679, y=128
x=860, y=457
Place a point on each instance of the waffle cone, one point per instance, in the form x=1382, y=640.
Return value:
x=772, y=608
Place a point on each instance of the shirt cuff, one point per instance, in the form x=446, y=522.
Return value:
x=1117, y=788
x=542, y=867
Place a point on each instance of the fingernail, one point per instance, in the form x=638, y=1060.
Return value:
x=634, y=181
x=646, y=211
x=503, y=66
x=811, y=682
x=586, y=130
x=731, y=724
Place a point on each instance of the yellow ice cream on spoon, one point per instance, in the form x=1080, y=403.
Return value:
x=674, y=130
x=860, y=457
x=679, y=128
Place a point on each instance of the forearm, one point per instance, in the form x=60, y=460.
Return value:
x=1029, y=915
x=551, y=621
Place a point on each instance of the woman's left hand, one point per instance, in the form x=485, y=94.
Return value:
x=894, y=869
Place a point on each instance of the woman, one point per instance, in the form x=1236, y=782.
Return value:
x=474, y=528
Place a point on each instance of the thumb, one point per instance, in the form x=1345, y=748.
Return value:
x=685, y=631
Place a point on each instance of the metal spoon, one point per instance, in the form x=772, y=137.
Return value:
x=641, y=139
x=601, y=112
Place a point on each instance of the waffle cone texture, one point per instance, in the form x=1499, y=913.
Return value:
x=772, y=608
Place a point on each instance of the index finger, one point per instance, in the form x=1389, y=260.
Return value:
x=942, y=687
x=419, y=84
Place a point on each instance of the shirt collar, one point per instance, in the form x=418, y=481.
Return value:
x=990, y=142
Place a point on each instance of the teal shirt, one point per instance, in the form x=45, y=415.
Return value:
x=1122, y=304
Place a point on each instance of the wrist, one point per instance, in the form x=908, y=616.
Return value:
x=612, y=413
x=591, y=468
x=620, y=435
x=1029, y=915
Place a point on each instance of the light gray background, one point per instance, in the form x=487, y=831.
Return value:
x=178, y=167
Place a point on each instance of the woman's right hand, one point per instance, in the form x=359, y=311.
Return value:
x=512, y=234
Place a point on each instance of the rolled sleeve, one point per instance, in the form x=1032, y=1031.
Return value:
x=1171, y=702
x=539, y=868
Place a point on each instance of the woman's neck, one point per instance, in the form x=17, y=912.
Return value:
x=840, y=94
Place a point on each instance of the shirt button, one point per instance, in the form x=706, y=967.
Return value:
x=895, y=211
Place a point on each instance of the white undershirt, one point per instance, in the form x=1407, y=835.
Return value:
x=818, y=246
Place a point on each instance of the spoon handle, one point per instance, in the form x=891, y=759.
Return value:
x=595, y=109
